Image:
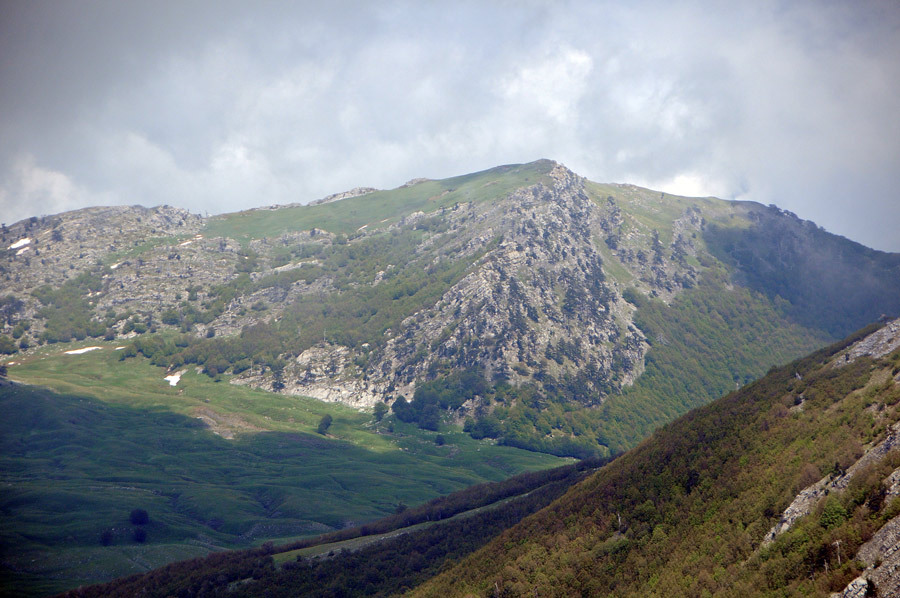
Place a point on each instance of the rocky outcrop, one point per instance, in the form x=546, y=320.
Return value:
x=62, y=246
x=878, y=344
x=537, y=304
x=355, y=192
x=881, y=553
x=807, y=499
x=874, y=345
x=109, y=242
x=323, y=372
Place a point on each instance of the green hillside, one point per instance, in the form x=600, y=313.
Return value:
x=685, y=513
x=379, y=209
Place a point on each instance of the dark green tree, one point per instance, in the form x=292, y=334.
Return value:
x=324, y=424
x=7, y=346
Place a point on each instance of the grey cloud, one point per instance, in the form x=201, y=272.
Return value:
x=223, y=106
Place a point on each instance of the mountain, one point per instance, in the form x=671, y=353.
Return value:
x=535, y=306
x=525, y=302
x=450, y=332
x=789, y=486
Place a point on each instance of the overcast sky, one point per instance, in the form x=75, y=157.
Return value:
x=219, y=106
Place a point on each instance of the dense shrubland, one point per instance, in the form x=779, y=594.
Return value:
x=684, y=514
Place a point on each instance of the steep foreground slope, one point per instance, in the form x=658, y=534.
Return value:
x=787, y=487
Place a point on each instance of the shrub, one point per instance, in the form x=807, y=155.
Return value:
x=140, y=517
x=7, y=345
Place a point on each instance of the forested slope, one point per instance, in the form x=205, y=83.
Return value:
x=686, y=512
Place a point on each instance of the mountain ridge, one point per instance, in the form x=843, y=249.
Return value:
x=528, y=274
x=464, y=319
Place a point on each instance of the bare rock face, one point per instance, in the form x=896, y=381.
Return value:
x=62, y=246
x=806, y=500
x=355, y=192
x=323, y=372
x=881, y=556
x=100, y=240
x=538, y=303
x=857, y=588
x=878, y=344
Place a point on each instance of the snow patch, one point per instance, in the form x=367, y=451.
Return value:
x=116, y=265
x=173, y=379
x=20, y=243
x=80, y=351
x=23, y=250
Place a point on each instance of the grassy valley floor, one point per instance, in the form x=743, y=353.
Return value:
x=215, y=466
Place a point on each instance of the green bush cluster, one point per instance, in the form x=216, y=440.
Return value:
x=67, y=312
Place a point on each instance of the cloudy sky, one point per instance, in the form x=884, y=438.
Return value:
x=218, y=106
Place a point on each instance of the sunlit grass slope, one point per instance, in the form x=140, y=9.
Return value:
x=381, y=207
